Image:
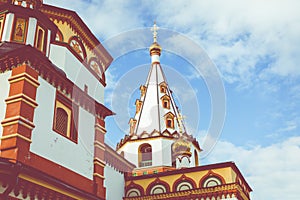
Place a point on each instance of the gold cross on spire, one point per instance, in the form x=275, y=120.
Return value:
x=154, y=29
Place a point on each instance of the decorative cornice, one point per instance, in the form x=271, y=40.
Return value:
x=115, y=160
x=80, y=28
x=218, y=191
x=156, y=134
x=19, y=54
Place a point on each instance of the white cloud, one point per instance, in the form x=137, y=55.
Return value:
x=265, y=168
x=239, y=35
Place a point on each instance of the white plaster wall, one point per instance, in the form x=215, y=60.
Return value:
x=114, y=183
x=7, y=27
x=31, y=31
x=76, y=71
x=4, y=90
x=53, y=146
x=161, y=151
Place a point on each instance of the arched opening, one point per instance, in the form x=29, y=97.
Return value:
x=145, y=155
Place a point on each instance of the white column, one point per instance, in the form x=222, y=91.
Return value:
x=31, y=31
x=48, y=43
x=9, y=19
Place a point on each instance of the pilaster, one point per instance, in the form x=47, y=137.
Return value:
x=20, y=105
x=99, y=159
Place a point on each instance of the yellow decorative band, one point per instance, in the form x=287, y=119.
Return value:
x=99, y=145
x=22, y=97
x=99, y=175
x=26, y=77
x=100, y=128
x=16, y=135
x=17, y=120
x=102, y=162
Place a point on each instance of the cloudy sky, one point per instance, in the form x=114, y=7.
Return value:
x=252, y=47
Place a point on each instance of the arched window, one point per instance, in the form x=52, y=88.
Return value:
x=61, y=121
x=145, y=155
x=165, y=101
x=169, y=117
x=65, y=117
x=133, y=193
x=158, y=189
x=134, y=190
x=184, y=183
x=163, y=87
x=212, y=181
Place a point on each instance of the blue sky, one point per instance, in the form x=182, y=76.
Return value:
x=255, y=48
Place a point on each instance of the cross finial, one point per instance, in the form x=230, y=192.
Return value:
x=154, y=29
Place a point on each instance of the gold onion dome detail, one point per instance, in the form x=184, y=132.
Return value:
x=182, y=147
x=155, y=48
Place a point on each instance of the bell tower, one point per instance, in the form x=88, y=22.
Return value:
x=158, y=140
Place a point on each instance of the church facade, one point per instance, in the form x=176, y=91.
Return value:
x=52, y=113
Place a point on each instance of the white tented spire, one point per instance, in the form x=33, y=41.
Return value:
x=156, y=109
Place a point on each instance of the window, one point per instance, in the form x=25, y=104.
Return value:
x=184, y=183
x=20, y=30
x=165, y=101
x=184, y=186
x=65, y=117
x=133, y=193
x=41, y=39
x=158, y=189
x=61, y=121
x=145, y=155
x=163, y=87
x=212, y=181
x=169, y=117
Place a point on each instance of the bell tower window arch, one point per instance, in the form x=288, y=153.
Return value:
x=145, y=155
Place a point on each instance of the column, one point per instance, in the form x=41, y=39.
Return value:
x=99, y=159
x=20, y=105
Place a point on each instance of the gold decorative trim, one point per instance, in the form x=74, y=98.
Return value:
x=26, y=77
x=99, y=161
x=99, y=145
x=99, y=175
x=16, y=135
x=100, y=164
x=100, y=128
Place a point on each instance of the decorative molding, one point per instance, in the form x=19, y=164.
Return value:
x=21, y=97
x=16, y=135
x=18, y=120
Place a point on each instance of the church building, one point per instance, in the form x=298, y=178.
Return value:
x=52, y=134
